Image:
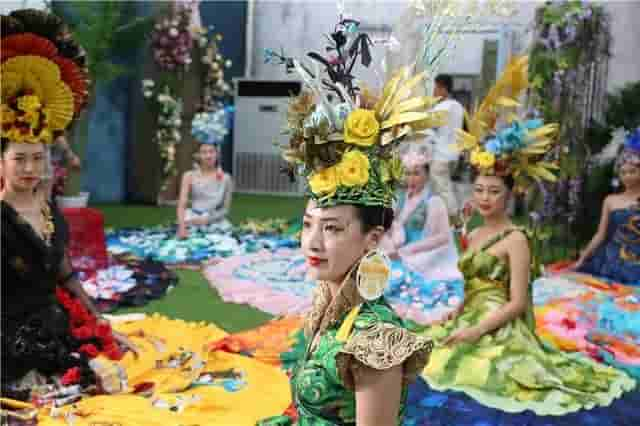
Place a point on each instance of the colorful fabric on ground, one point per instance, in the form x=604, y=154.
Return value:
x=128, y=282
x=185, y=382
x=509, y=369
x=274, y=281
x=268, y=343
x=204, y=244
x=579, y=313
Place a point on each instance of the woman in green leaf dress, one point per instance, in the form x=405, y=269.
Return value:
x=359, y=356
x=490, y=350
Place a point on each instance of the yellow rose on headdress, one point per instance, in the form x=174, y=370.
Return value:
x=353, y=170
x=8, y=115
x=361, y=128
x=324, y=181
x=483, y=159
x=29, y=103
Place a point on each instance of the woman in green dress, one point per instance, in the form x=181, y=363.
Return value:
x=490, y=350
x=359, y=356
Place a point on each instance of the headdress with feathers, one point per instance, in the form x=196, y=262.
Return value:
x=499, y=142
x=44, y=76
x=345, y=149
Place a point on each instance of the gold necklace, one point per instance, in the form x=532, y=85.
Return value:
x=48, y=226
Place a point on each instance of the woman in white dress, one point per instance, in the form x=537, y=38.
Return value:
x=210, y=189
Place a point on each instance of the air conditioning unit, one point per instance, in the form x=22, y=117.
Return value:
x=259, y=119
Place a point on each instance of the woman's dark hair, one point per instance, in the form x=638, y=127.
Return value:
x=446, y=81
x=508, y=180
x=373, y=216
x=5, y=145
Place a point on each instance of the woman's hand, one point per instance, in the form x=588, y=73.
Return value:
x=74, y=161
x=451, y=315
x=125, y=343
x=199, y=221
x=182, y=232
x=465, y=335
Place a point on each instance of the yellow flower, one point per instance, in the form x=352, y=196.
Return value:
x=483, y=159
x=361, y=128
x=32, y=118
x=29, y=103
x=324, y=182
x=8, y=115
x=353, y=170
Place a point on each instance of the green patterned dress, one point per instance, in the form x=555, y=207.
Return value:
x=509, y=369
x=322, y=383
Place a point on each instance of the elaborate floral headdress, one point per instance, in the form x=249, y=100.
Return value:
x=630, y=153
x=345, y=149
x=44, y=78
x=499, y=142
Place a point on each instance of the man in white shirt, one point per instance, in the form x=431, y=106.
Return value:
x=444, y=156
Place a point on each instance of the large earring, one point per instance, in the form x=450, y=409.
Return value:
x=373, y=275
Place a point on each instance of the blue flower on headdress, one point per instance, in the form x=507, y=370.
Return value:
x=210, y=127
x=512, y=138
x=632, y=141
x=494, y=146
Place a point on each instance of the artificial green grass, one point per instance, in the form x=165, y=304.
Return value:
x=193, y=299
x=243, y=206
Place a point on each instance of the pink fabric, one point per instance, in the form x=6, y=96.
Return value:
x=255, y=293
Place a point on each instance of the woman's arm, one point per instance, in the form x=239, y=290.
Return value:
x=599, y=236
x=378, y=395
x=437, y=222
x=519, y=257
x=220, y=214
x=185, y=189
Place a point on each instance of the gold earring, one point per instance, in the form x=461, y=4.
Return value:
x=373, y=275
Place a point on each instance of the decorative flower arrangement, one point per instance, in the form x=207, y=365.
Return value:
x=172, y=41
x=215, y=87
x=515, y=148
x=570, y=51
x=169, y=123
x=345, y=149
x=210, y=127
x=93, y=338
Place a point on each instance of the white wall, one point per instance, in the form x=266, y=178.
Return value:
x=8, y=6
x=298, y=26
x=624, y=65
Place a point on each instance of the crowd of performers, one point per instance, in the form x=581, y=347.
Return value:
x=372, y=208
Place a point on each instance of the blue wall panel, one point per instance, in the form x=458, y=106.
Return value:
x=228, y=18
x=104, y=164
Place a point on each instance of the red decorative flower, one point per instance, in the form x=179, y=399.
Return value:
x=71, y=376
x=63, y=297
x=113, y=352
x=82, y=333
x=90, y=350
x=103, y=331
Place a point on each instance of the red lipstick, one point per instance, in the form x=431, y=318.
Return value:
x=314, y=261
